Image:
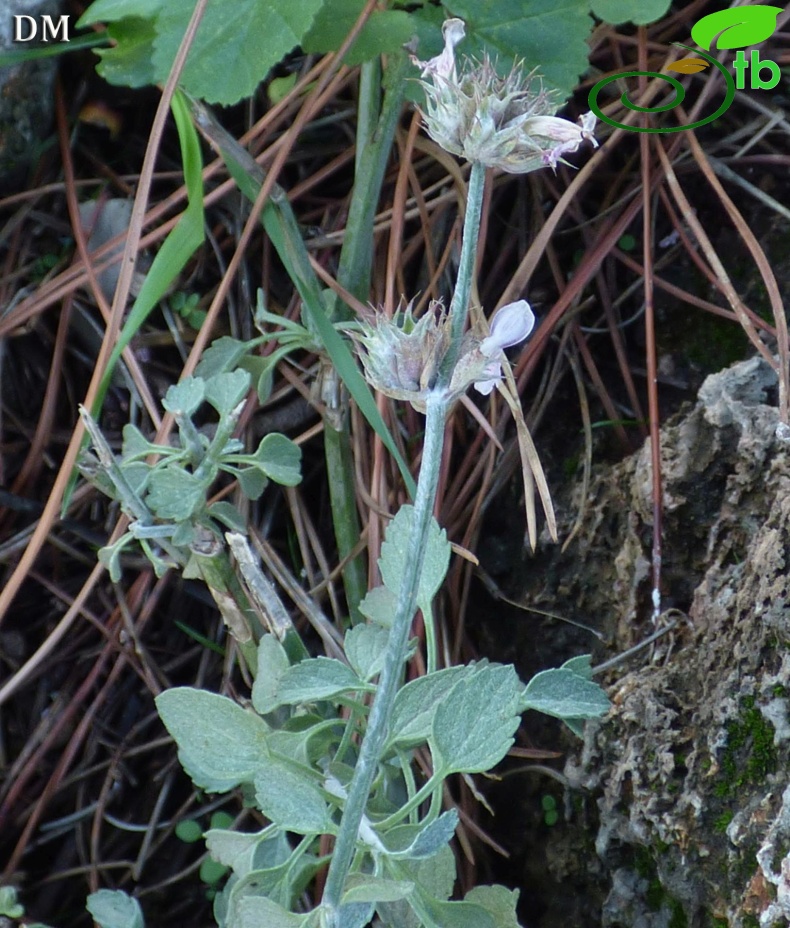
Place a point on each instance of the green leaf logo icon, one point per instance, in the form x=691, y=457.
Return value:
x=736, y=27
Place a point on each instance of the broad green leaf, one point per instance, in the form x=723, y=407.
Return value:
x=640, y=12
x=416, y=704
x=566, y=695
x=291, y=799
x=251, y=481
x=225, y=391
x=261, y=912
x=499, y=901
x=317, y=678
x=174, y=494
x=8, y=903
x=223, y=354
x=474, y=726
x=220, y=745
x=272, y=664
x=398, y=542
x=235, y=47
x=417, y=842
x=580, y=665
x=435, y=876
x=365, y=647
x=112, y=908
x=385, y=32
x=544, y=34
x=365, y=887
x=280, y=459
x=234, y=849
x=453, y=914
x=228, y=515
x=135, y=444
x=354, y=915
x=737, y=27
x=379, y=606
x=185, y=398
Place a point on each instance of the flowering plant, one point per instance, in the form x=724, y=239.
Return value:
x=506, y=123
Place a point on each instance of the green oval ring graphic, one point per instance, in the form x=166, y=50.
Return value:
x=680, y=93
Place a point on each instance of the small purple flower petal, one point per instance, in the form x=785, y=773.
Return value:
x=443, y=65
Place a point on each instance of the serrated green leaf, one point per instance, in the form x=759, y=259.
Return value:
x=474, y=725
x=737, y=27
x=639, y=12
x=223, y=354
x=220, y=745
x=397, y=542
x=317, y=678
x=135, y=444
x=384, y=32
x=112, y=908
x=226, y=390
x=416, y=704
x=291, y=799
x=235, y=47
x=272, y=664
x=499, y=901
x=544, y=34
x=564, y=694
x=418, y=842
x=185, y=398
x=365, y=887
x=365, y=649
x=174, y=494
x=238, y=850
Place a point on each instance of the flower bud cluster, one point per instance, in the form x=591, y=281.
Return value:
x=506, y=123
x=402, y=356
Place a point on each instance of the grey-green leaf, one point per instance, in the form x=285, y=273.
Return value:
x=291, y=799
x=260, y=912
x=220, y=745
x=272, y=665
x=416, y=704
x=185, y=398
x=397, y=543
x=418, y=842
x=365, y=887
x=112, y=908
x=174, y=494
x=474, y=726
x=379, y=606
x=565, y=694
x=365, y=649
x=317, y=678
x=280, y=459
x=226, y=390
x=499, y=901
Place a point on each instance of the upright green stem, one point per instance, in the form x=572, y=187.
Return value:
x=459, y=307
x=381, y=710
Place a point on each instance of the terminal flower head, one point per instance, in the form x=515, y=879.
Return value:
x=402, y=356
x=507, y=123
